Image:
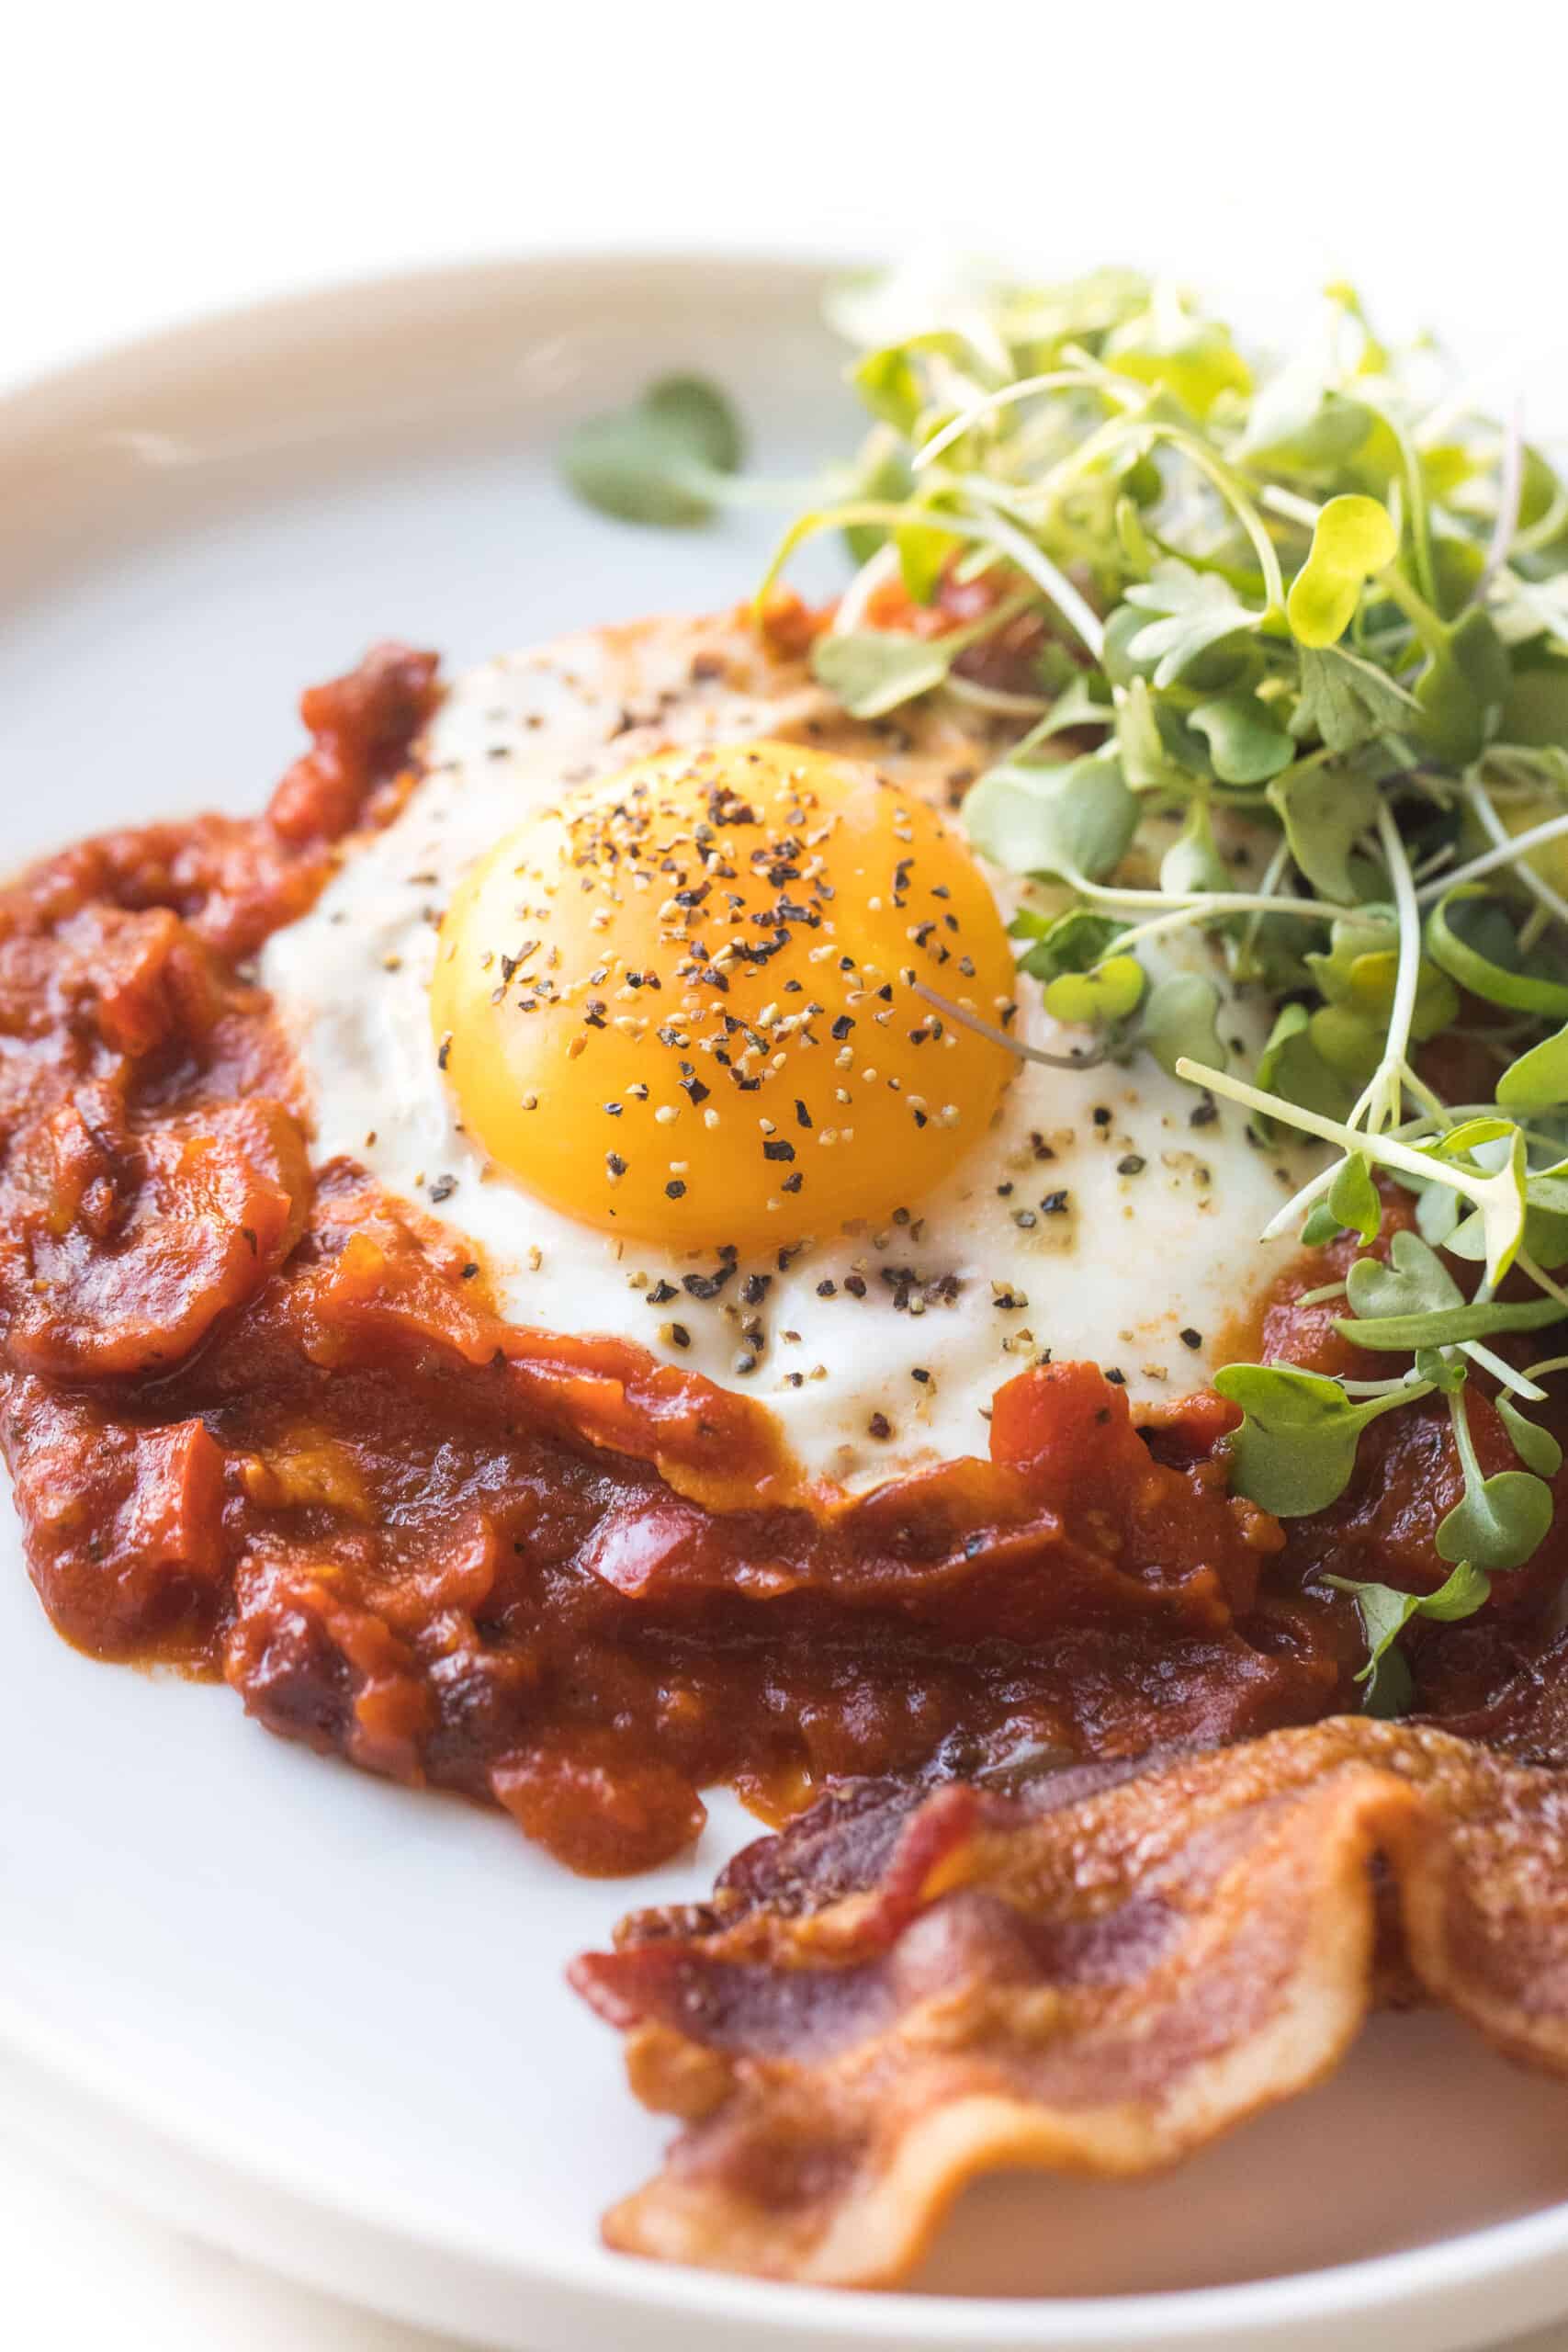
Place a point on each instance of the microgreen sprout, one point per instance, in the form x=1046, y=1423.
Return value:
x=667, y=458
x=1385, y=1613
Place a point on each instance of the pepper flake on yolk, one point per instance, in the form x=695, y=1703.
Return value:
x=681, y=1003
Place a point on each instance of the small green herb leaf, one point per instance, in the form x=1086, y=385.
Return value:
x=662, y=461
x=1536, y=1447
x=925, y=549
x=1085, y=701
x=1320, y=1227
x=1157, y=750
x=1444, y=1367
x=1296, y=1447
x=1385, y=1613
x=1347, y=702
x=1193, y=862
x=1413, y=1302
x=1325, y=814
x=1291, y=1067
x=1353, y=537
x=1462, y=689
x=1180, y=1022
x=1498, y=1522
x=1353, y=1199
x=1107, y=994
x=1191, y=357
x=1075, y=942
x=888, y=380
x=1413, y=1282
x=873, y=671
x=1072, y=819
x=1296, y=422
x=1198, y=608
x=1438, y=1209
x=1245, y=744
x=1357, y=977
x=1539, y=1079
x=1446, y=1327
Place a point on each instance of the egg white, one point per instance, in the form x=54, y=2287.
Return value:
x=1096, y=1220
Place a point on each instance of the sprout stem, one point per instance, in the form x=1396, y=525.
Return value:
x=968, y=1019
x=1508, y=853
x=1491, y=824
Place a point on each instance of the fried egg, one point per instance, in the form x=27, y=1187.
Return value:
x=678, y=992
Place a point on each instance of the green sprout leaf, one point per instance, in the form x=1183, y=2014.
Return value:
x=1546, y=1215
x=1084, y=702
x=1320, y=1227
x=1198, y=610
x=1353, y=539
x=1180, y=1020
x=1462, y=689
x=1413, y=1302
x=1099, y=998
x=1359, y=975
x=890, y=383
x=1385, y=1613
x=1191, y=357
x=1438, y=1209
x=1302, y=426
x=1353, y=1200
x=1347, y=702
x=1536, y=1447
x=887, y=383
x=1075, y=942
x=1499, y=1521
x=1539, y=1079
x=1460, y=1594
x=1445, y=1368
x=1072, y=819
x=1463, y=1593
x=1325, y=814
x=1295, y=1450
x=1291, y=1067
x=1245, y=745
x=925, y=550
x=1193, y=862
x=1447, y=1327
x=1156, y=748
x=662, y=460
x=1415, y=1280
x=873, y=671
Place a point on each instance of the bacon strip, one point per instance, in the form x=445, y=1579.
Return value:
x=1098, y=1976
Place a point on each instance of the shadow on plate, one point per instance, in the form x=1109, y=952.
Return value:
x=1423, y=2133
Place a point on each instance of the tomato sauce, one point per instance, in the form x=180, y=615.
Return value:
x=264, y=1423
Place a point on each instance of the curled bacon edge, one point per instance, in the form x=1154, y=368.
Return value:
x=1100, y=1974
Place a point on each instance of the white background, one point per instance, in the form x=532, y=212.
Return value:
x=157, y=160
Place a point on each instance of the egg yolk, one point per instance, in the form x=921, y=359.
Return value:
x=684, y=1005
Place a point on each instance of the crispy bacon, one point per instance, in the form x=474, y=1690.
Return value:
x=1097, y=1976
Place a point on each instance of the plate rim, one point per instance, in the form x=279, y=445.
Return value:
x=1447, y=2283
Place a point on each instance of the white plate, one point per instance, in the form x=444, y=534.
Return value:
x=318, y=2019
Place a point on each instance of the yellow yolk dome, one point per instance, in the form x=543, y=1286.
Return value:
x=682, y=1003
